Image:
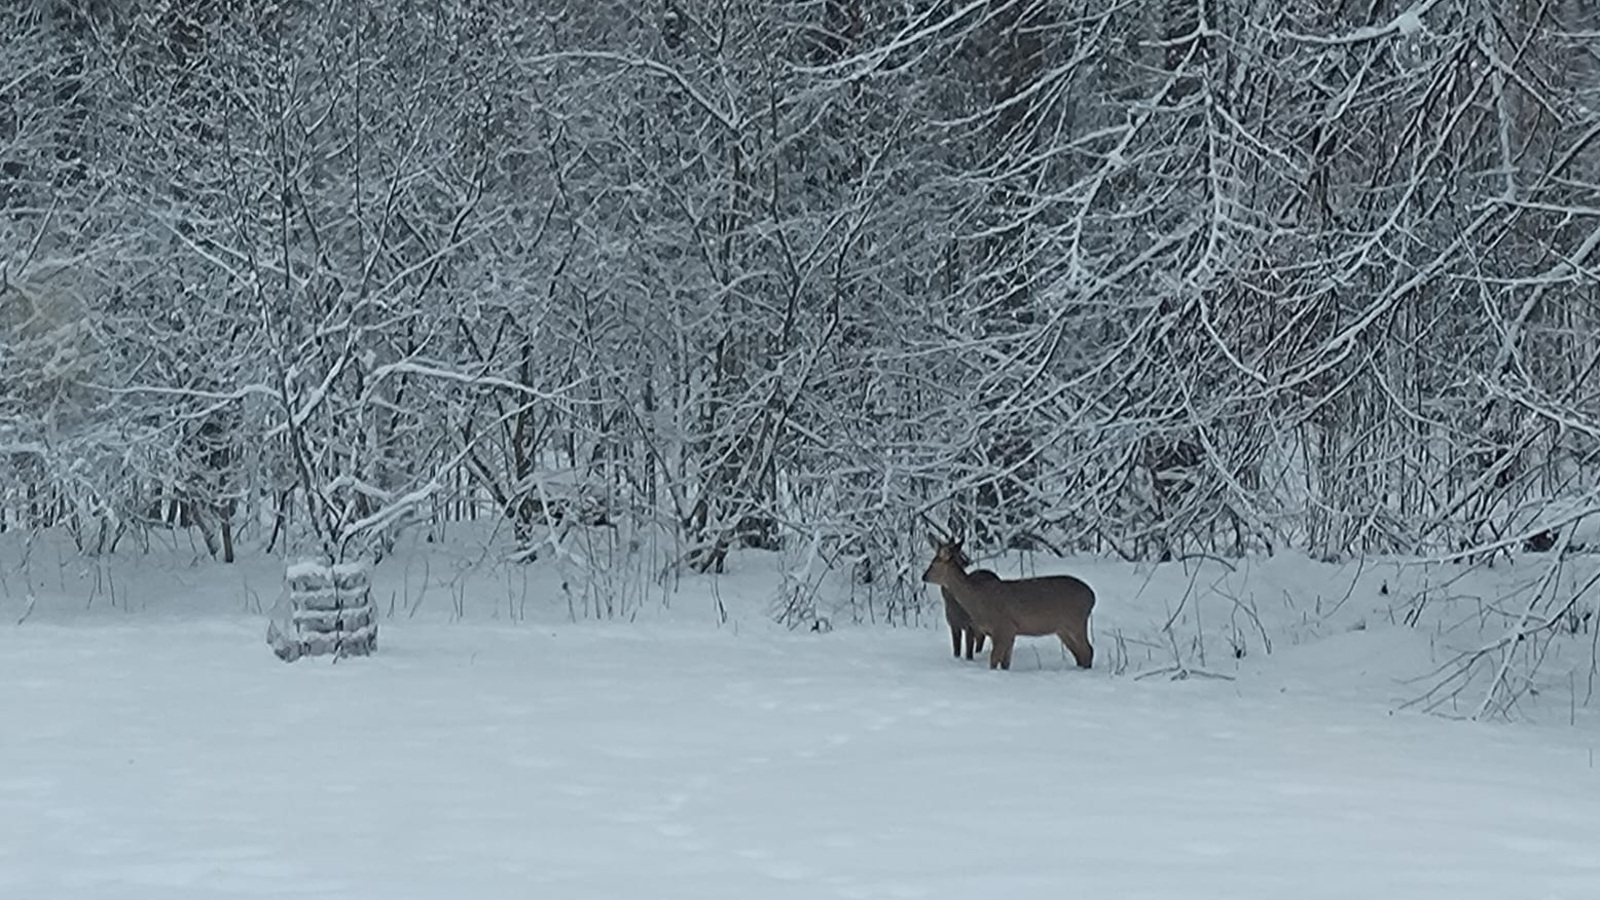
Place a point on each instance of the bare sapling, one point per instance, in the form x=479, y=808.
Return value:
x=1003, y=609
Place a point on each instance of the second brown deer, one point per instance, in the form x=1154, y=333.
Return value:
x=1003, y=609
x=962, y=628
x=959, y=620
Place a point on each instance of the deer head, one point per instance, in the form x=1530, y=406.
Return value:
x=947, y=556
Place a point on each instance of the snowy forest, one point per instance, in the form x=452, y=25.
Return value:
x=1140, y=280
x=621, y=359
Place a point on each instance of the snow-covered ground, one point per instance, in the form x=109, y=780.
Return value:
x=157, y=750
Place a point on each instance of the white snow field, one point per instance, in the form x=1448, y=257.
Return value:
x=158, y=750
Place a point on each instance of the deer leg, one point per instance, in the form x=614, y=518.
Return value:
x=1077, y=641
x=955, y=640
x=977, y=641
x=1000, y=655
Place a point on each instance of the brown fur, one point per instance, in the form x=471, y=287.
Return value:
x=1003, y=609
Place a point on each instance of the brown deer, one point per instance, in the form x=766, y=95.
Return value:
x=1002, y=609
x=955, y=615
x=960, y=621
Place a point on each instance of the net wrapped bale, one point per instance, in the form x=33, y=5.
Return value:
x=325, y=610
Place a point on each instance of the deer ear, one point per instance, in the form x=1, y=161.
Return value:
x=933, y=542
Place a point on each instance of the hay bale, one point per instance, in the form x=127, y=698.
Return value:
x=324, y=610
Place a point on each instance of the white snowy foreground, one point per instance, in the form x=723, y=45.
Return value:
x=179, y=759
